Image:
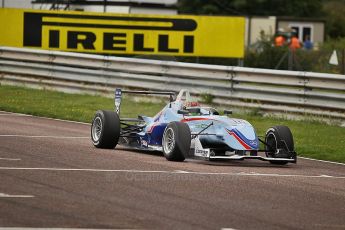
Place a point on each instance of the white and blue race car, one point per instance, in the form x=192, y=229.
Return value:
x=184, y=129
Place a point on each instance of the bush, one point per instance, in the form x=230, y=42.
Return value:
x=265, y=55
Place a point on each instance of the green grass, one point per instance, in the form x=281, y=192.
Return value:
x=74, y=107
x=312, y=139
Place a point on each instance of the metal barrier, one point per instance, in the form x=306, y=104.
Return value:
x=272, y=90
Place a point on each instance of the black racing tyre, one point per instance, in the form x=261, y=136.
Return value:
x=105, y=129
x=279, y=137
x=176, y=141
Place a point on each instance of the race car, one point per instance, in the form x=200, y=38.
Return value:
x=185, y=129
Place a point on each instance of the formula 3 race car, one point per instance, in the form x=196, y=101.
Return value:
x=184, y=129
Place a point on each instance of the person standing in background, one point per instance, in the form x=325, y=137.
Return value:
x=294, y=42
x=307, y=44
x=280, y=40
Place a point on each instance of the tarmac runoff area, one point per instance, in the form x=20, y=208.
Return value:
x=53, y=178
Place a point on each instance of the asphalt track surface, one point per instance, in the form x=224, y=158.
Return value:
x=52, y=177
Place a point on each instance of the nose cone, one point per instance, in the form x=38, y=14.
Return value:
x=243, y=137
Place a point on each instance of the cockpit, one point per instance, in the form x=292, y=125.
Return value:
x=188, y=105
x=198, y=111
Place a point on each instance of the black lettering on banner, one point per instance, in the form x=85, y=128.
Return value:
x=54, y=39
x=138, y=43
x=86, y=39
x=188, y=46
x=163, y=44
x=32, y=34
x=109, y=41
x=34, y=23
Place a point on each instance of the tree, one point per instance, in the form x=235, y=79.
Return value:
x=297, y=8
x=335, y=18
x=333, y=11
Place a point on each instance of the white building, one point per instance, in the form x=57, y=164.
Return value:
x=313, y=28
x=113, y=6
x=110, y=6
x=16, y=4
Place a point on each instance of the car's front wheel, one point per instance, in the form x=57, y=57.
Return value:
x=279, y=144
x=176, y=141
x=105, y=129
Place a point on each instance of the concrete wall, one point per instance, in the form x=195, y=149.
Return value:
x=141, y=10
x=111, y=9
x=319, y=35
x=27, y=3
x=99, y=8
x=165, y=2
x=15, y=3
x=256, y=25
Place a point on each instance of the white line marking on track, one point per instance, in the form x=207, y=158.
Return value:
x=180, y=171
x=323, y=161
x=28, y=136
x=47, y=118
x=177, y=172
x=11, y=114
x=10, y=159
x=27, y=228
x=4, y=195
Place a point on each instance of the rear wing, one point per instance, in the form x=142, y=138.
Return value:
x=119, y=92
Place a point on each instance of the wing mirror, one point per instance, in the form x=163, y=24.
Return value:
x=227, y=112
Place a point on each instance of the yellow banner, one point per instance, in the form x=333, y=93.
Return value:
x=123, y=33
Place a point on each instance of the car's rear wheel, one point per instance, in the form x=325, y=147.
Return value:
x=279, y=138
x=105, y=129
x=176, y=141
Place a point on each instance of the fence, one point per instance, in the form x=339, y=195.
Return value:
x=270, y=90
